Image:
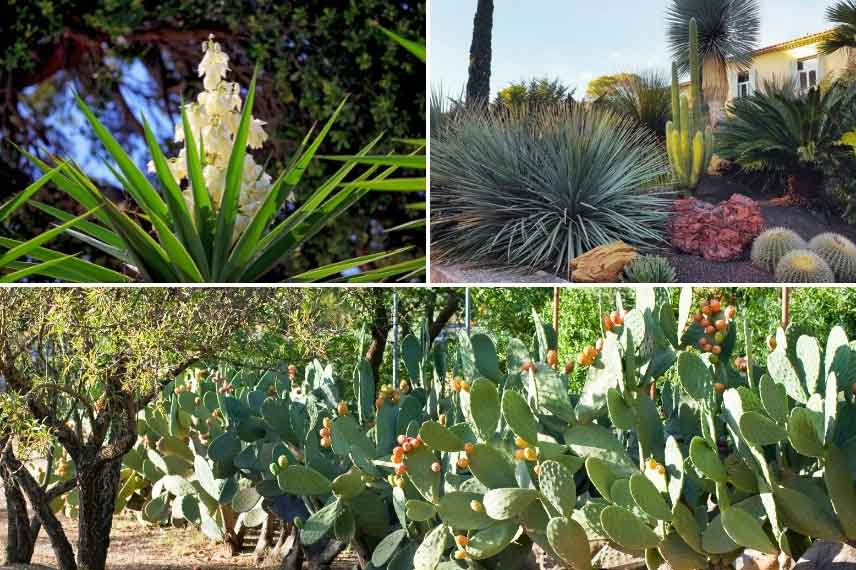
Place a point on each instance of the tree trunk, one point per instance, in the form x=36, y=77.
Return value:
x=20, y=534
x=265, y=539
x=381, y=325
x=98, y=489
x=321, y=558
x=478, y=83
x=41, y=505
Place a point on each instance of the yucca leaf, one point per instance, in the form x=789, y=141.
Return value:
x=73, y=270
x=177, y=205
x=288, y=242
x=203, y=211
x=317, y=197
x=415, y=48
x=289, y=234
x=143, y=192
x=9, y=207
x=25, y=248
x=409, y=267
x=81, y=193
x=406, y=161
x=394, y=185
x=288, y=180
x=412, y=224
x=151, y=260
x=411, y=142
x=116, y=252
x=34, y=269
x=234, y=173
x=176, y=252
x=98, y=232
x=340, y=266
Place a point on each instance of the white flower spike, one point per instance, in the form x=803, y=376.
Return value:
x=214, y=119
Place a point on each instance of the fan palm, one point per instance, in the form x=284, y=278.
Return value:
x=842, y=13
x=783, y=130
x=728, y=33
x=645, y=97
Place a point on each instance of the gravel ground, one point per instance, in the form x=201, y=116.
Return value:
x=715, y=189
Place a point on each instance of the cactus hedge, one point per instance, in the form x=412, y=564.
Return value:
x=681, y=445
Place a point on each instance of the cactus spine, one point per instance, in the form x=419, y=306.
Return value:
x=688, y=142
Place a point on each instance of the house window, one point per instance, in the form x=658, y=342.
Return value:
x=807, y=73
x=743, y=89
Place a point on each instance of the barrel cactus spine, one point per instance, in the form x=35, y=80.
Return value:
x=838, y=252
x=772, y=245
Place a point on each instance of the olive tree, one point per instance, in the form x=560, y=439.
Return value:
x=79, y=364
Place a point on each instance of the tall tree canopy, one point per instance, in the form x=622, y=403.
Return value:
x=129, y=58
x=478, y=83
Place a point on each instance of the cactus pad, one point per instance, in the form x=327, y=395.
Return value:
x=706, y=460
x=507, y=503
x=455, y=511
x=440, y=438
x=558, y=487
x=569, y=541
x=745, y=530
x=519, y=416
x=626, y=529
x=648, y=498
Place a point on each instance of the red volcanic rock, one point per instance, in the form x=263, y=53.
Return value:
x=716, y=232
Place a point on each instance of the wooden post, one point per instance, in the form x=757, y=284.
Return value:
x=786, y=307
x=556, y=300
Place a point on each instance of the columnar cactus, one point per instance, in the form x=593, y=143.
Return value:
x=688, y=142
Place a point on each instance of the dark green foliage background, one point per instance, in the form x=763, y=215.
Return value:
x=312, y=53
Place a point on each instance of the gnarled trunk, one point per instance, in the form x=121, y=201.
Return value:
x=40, y=501
x=98, y=488
x=21, y=534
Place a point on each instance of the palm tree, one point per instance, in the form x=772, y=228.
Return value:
x=728, y=32
x=478, y=83
x=844, y=35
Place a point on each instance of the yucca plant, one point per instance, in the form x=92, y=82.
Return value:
x=536, y=188
x=222, y=227
x=783, y=130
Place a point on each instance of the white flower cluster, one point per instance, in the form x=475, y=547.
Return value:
x=214, y=120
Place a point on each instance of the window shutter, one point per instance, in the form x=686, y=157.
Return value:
x=734, y=87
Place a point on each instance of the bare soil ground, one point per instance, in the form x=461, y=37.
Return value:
x=139, y=546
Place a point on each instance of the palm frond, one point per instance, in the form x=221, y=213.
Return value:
x=842, y=13
x=728, y=30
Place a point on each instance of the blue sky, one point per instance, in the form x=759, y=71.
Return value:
x=578, y=40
